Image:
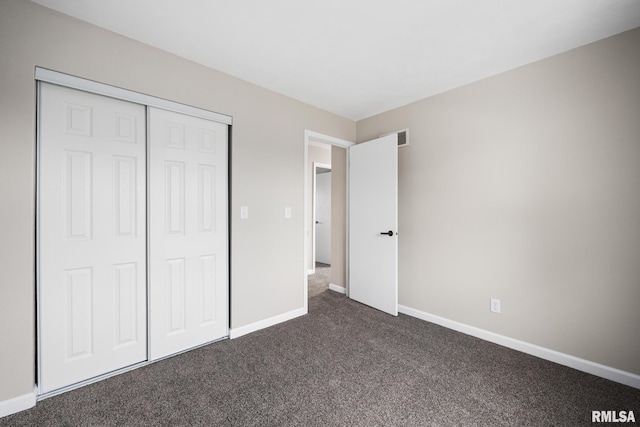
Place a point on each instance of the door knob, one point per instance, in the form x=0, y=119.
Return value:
x=388, y=233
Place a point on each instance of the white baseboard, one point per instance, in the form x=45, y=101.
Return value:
x=256, y=326
x=574, y=362
x=337, y=288
x=17, y=404
x=311, y=271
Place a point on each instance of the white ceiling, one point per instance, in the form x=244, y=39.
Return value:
x=358, y=58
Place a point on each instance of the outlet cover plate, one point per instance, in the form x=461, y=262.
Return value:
x=495, y=305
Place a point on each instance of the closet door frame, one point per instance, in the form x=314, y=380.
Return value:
x=61, y=79
x=73, y=82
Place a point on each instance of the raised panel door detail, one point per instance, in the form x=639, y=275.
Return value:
x=206, y=197
x=175, y=197
x=124, y=172
x=207, y=141
x=126, y=307
x=124, y=127
x=79, y=312
x=190, y=225
x=78, y=192
x=91, y=236
x=174, y=134
x=78, y=120
x=208, y=288
x=176, y=288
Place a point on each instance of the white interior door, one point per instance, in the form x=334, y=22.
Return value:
x=323, y=217
x=188, y=231
x=92, y=237
x=373, y=223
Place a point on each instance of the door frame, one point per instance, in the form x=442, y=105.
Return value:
x=316, y=166
x=309, y=137
x=49, y=76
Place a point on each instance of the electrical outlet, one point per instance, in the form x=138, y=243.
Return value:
x=495, y=305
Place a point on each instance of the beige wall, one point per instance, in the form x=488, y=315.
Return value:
x=267, y=153
x=525, y=187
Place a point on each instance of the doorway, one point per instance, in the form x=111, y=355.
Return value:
x=374, y=284
x=325, y=156
x=320, y=278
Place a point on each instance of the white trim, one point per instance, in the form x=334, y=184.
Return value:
x=50, y=76
x=18, y=404
x=337, y=288
x=574, y=362
x=310, y=135
x=310, y=138
x=262, y=324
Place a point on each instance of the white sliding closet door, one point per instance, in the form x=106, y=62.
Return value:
x=188, y=231
x=92, y=236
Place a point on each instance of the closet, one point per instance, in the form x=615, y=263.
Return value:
x=132, y=229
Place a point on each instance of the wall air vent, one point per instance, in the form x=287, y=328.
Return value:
x=403, y=137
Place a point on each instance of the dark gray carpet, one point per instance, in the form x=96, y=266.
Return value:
x=343, y=364
x=319, y=281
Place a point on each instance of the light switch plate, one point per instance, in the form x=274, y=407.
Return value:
x=244, y=212
x=287, y=213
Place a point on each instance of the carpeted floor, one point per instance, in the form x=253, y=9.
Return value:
x=343, y=364
x=319, y=281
